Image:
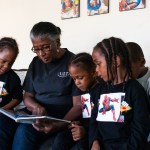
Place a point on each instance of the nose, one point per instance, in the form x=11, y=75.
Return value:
x=97, y=70
x=40, y=53
x=77, y=82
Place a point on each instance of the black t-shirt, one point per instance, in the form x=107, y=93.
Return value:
x=10, y=88
x=51, y=83
x=132, y=131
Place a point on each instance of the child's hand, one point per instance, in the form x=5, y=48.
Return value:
x=95, y=145
x=78, y=132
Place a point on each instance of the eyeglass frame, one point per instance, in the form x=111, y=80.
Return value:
x=42, y=48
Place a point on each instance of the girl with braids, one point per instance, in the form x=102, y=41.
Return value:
x=129, y=130
x=82, y=70
x=10, y=89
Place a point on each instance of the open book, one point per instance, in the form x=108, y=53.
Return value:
x=22, y=117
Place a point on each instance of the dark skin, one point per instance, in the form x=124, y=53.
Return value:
x=55, y=52
x=7, y=58
x=84, y=80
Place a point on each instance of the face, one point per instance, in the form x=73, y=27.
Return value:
x=82, y=78
x=101, y=66
x=7, y=58
x=45, y=49
x=136, y=69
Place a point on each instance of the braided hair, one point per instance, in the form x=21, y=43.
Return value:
x=111, y=48
x=84, y=61
x=8, y=42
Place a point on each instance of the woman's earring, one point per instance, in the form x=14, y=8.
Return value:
x=57, y=50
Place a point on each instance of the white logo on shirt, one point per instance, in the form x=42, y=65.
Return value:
x=63, y=74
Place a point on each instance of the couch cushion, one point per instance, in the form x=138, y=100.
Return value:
x=21, y=73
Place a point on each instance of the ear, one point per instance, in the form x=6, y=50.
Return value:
x=142, y=61
x=58, y=43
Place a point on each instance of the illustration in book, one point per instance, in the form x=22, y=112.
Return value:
x=22, y=117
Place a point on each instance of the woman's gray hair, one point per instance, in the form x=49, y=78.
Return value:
x=45, y=30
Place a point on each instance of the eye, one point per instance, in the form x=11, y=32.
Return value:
x=45, y=47
x=80, y=78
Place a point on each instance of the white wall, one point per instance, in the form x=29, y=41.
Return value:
x=79, y=34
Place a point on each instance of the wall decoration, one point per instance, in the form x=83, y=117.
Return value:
x=70, y=9
x=125, y=5
x=96, y=7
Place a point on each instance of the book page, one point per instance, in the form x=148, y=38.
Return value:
x=22, y=117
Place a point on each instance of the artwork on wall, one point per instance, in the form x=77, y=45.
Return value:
x=125, y=5
x=96, y=7
x=70, y=9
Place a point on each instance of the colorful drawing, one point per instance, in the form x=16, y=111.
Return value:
x=86, y=105
x=109, y=107
x=96, y=7
x=70, y=9
x=125, y=5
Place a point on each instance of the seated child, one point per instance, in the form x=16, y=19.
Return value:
x=120, y=120
x=82, y=70
x=10, y=89
x=10, y=84
x=139, y=70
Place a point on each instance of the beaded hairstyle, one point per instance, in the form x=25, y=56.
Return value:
x=83, y=60
x=111, y=48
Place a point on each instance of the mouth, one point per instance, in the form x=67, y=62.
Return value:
x=45, y=60
x=82, y=88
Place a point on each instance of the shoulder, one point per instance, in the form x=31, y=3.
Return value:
x=68, y=53
x=12, y=75
x=134, y=88
x=134, y=84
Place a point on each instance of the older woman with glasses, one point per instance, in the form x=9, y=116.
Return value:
x=49, y=89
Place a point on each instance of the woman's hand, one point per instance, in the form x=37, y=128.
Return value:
x=32, y=105
x=45, y=126
x=95, y=145
x=39, y=110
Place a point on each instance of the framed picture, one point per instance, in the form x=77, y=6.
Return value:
x=70, y=9
x=96, y=7
x=125, y=5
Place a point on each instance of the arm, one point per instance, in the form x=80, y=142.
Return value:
x=32, y=105
x=74, y=113
x=95, y=145
x=11, y=104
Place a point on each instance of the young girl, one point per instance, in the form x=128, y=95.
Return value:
x=10, y=88
x=82, y=70
x=121, y=116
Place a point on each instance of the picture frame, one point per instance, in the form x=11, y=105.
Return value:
x=97, y=7
x=126, y=5
x=70, y=9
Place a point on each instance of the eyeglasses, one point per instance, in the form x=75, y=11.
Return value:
x=44, y=48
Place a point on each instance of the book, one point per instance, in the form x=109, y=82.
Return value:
x=22, y=117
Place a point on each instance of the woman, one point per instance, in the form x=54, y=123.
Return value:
x=49, y=89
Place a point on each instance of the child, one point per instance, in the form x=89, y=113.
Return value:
x=10, y=88
x=82, y=70
x=139, y=70
x=130, y=128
